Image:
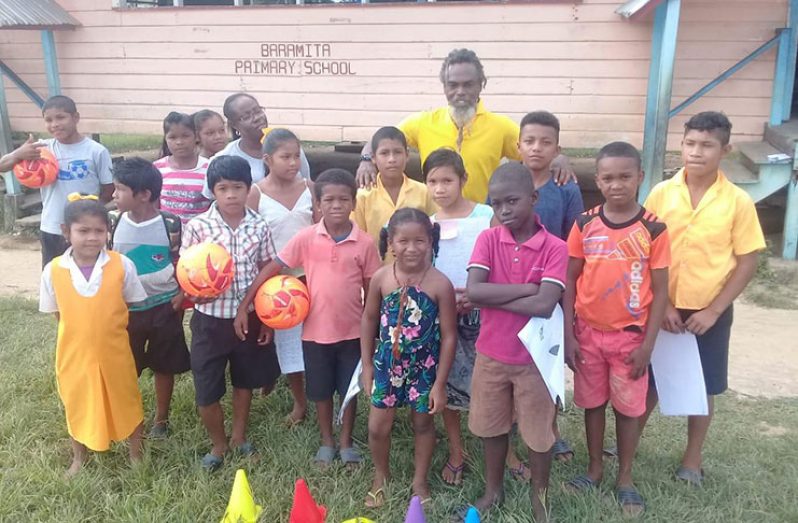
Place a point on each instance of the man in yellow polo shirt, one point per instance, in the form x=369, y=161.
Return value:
x=481, y=137
x=715, y=241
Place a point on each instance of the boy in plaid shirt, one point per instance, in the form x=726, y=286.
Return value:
x=214, y=344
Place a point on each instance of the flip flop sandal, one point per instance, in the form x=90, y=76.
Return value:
x=610, y=452
x=562, y=448
x=324, y=456
x=291, y=422
x=246, y=449
x=211, y=463
x=693, y=477
x=630, y=498
x=518, y=473
x=159, y=430
x=458, y=474
x=350, y=455
x=375, y=499
x=581, y=483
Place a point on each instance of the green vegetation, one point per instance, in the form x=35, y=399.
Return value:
x=751, y=473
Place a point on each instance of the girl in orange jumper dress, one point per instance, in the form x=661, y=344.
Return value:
x=88, y=288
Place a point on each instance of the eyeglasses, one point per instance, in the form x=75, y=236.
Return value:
x=248, y=117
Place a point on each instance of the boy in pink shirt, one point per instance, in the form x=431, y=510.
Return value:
x=517, y=271
x=339, y=260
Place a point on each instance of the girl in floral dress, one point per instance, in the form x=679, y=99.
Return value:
x=413, y=306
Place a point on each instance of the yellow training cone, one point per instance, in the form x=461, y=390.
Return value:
x=358, y=520
x=241, y=508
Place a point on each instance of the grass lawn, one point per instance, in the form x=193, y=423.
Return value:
x=752, y=470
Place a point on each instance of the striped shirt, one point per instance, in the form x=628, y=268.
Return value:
x=250, y=245
x=181, y=194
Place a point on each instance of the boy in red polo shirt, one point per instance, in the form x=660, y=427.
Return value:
x=517, y=271
x=614, y=303
x=339, y=260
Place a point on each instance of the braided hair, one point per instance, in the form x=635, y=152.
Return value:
x=410, y=215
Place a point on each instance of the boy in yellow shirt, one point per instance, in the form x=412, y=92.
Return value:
x=715, y=241
x=393, y=189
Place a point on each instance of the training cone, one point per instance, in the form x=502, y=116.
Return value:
x=472, y=516
x=415, y=512
x=304, y=509
x=241, y=508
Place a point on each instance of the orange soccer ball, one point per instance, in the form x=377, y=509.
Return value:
x=282, y=302
x=37, y=173
x=205, y=270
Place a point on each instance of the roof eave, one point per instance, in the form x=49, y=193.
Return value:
x=636, y=9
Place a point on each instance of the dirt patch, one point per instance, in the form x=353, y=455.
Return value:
x=773, y=431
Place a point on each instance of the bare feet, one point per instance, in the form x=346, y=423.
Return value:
x=74, y=468
x=79, y=455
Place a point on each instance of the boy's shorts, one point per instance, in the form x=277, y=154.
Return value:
x=52, y=245
x=329, y=367
x=158, y=341
x=500, y=392
x=713, y=349
x=604, y=376
x=214, y=343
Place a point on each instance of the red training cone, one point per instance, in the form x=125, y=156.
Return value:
x=304, y=509
x=415, y=512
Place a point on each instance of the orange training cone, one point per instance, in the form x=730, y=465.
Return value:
x=305, y=509
x=241, y=508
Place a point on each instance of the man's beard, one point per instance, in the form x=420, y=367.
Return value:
x=461, y=116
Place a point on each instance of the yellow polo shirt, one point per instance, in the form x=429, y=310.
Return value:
x=706, y=240
x=486, y=140
x=374, y=206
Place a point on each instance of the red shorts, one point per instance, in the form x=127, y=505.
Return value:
x=604, y=376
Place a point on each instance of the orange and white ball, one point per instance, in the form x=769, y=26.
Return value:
x=37, y=173
x=205, y=270
x=282, y=302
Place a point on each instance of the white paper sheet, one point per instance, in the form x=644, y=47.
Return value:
x=543, y=338
x=352, y=392
x=679, y=377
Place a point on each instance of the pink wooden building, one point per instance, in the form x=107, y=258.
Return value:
x=335, y=70
x=338, y=71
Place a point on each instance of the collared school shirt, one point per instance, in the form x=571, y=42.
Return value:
x=375, y=207
x=132, y=290
x=487, y=139
x=705, y=241
x=250, y=245
x=541, y=258
x=336, y=272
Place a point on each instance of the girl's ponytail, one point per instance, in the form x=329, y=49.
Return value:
x=383, y=242
x=435, y=234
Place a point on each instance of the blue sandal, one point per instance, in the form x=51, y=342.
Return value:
x=693, y=477
x=581, y=483
x=631, y=501
x=211, y=463
x=561, y=450
x=246, y=449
